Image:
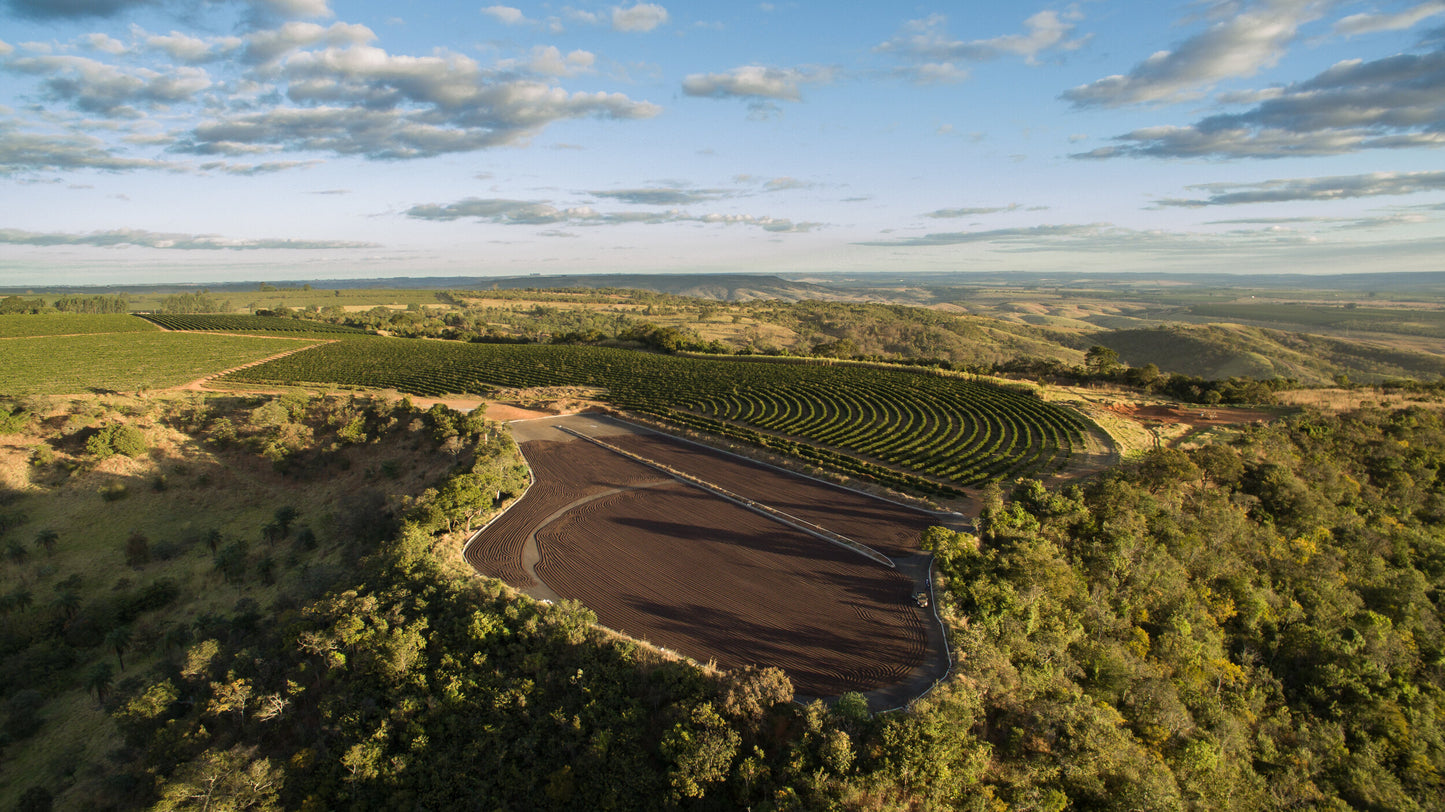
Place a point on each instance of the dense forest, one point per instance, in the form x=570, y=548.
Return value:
x=1255, y=625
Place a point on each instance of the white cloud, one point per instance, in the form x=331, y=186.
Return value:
x=756, y=82
x=23, y=152
x=96, y=87
x=186, y=48
x=104, y=43
x=1357, y=24
x=1237, y=47
x=505, y=15
x=265, y=48
x=934, y=55
x=944, y=214
x=152, y=239
x=1390, y=103
x=1340, y=187
x=501, y=211
x=547, y=60
x=642, y=17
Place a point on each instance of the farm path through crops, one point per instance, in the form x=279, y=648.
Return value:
x=199, y=384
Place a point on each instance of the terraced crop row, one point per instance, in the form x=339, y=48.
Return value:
x=906, y=428
x=249, y=324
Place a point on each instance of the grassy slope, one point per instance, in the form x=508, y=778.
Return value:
x=1222, y=351
x=233, y=491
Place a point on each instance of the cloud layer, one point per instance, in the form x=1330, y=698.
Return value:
x=298, y=86
x=501, y=211
x=1389, y=103
x=1315, y=189
x=120, y=238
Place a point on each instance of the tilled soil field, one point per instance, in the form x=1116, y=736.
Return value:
x=701, y=575
x=889, y=528
x=696, y=573
x=564, y=472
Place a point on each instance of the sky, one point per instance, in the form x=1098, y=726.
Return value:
x=160, y=141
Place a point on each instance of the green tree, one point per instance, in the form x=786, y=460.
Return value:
x=1100, y=359
x=99, y=679
x=701, y=750
x=228, y=780
x=118, y=640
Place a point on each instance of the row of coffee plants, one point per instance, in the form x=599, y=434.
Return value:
x=876, y=422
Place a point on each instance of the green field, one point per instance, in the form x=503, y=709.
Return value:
x=891, y=425
x=87, y=363
x=59, y=324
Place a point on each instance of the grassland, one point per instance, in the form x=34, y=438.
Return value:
x=134, y=361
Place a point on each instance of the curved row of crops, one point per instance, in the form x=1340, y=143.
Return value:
x=901, y=427
x=247, y=324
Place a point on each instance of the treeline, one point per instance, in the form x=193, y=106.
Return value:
x=1232, y=627
x=185, y=304
x=97, y=303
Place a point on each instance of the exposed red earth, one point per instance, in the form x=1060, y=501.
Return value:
x=688, y=570
x=564, y=472
x=889, y=528
x=1196, y=416
x=685, y=570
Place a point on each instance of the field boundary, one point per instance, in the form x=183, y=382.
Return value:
x=199, y=383
x=757, y=507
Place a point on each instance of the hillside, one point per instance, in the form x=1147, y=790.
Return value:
x=1224, y=351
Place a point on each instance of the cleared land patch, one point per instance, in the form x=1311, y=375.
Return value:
x=688, y=570
x=713, y=580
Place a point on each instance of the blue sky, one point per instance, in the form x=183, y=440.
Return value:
x=166, y=141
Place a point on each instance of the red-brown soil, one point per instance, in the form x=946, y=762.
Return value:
x=683, y=569
x=1196, y=416
x=563, y=472
x=688, y=570
x=887, y=527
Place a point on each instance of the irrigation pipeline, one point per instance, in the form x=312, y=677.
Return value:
x=758, y=507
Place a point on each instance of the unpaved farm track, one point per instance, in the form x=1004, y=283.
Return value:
x=199, y=384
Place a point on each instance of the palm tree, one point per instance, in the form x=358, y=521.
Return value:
x=98, y=679
x=16, y=553
x=119, y=639
x=47, y=538
x=67, y=602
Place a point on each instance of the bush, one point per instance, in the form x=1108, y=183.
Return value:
x=128, y=440
x=111, y=440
